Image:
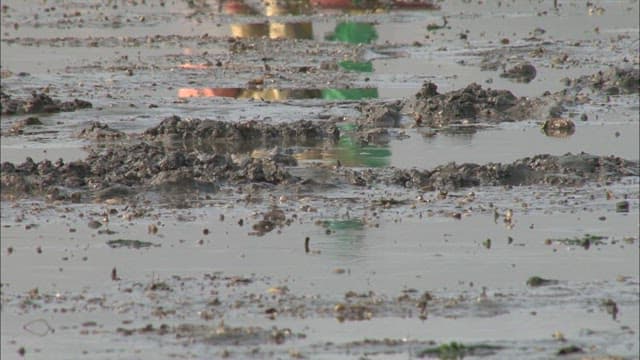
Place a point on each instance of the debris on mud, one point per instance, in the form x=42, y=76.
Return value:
x=38, y=103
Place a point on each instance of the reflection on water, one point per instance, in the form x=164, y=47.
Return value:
x=349, y=152
x=273, y=30
x=356, y=66
x=349, y=235
x=270, y=29
x=309, y=7
x=281, y=94
x=351, y=32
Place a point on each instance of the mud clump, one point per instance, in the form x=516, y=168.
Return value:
x=558, y=127
x=469, y=105
x=615, y=81
x=153, y=167
x=98, y=131
x=271, y=219
x=19, y=127
x=523, y=72
x=38, y=103
x=376, y=116
x=565, y=170
x=242, y=135
x=141, y=165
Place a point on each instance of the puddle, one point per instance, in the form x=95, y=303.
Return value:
x=504, y=144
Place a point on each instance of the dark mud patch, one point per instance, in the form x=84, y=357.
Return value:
x=38, y=103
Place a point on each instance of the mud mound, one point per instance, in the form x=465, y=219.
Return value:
x=38, y=103
x=196, y=131
x=142, y=166
x=614, y=81
x=469, y=105
x=565, y=170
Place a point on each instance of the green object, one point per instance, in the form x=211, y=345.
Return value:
x=345, y=225
x=354, y=33
x=350, y=94
x=350, y=153
x=356, y=66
